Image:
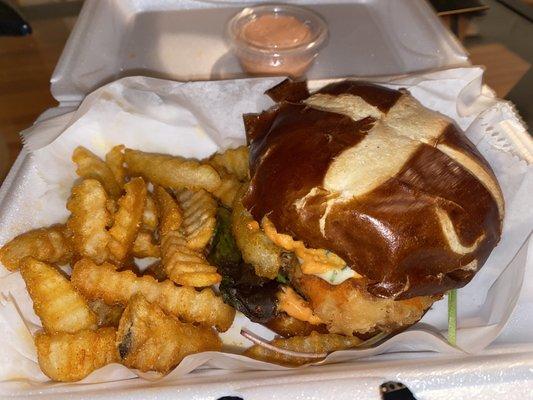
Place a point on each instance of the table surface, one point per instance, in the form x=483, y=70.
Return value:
x=26, y=64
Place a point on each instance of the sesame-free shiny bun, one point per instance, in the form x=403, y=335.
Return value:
x=394, y=189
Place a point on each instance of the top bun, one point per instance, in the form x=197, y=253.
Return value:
x=393, y=188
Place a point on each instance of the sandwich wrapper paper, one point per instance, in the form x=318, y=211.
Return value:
x=195, y=120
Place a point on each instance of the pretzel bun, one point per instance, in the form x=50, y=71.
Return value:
x=393, y=188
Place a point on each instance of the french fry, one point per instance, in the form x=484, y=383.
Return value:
x=288, y=326
x=90, y=166
x=231, y=170
x=55, y=301
x=199, y=217
x=129, y=266
x=68, y=357
x=150, y=340
x=150, y=214
x=156, y=270
x=170, y=213
x=228, y=189
x=106, y=315
x=234, y=161
x=144, y=245
x=111, y=206
x=127, y=219
x=115, y=161
x=184, y=265
x=314, y=343
x=113, y=287
x=89, y=220
x=50, y=245
x=256, y=248
x=171, y=172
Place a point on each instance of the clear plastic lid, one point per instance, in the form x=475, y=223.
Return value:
x=188, y=40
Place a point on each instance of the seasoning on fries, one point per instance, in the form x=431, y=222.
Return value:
x=113, y=287
x=52, y=245
x=184, y=263
x=92, y=167
x=55, y=301
x=171, y=171
x=127, y=220
x=67, y=357
x=116, y=218
x=199, y=216
x=89, y=220
x=315, y=343
x=150, y=340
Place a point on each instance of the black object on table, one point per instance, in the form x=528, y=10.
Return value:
x=230, y=398
x=11, y=23
x=395, y=391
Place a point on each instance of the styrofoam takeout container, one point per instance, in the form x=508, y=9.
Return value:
x=181, y=40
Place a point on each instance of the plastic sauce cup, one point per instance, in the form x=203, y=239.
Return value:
x=277, y=39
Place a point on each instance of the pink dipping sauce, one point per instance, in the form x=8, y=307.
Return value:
x=276, y=31
x=277, y=40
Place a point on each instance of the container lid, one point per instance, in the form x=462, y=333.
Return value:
x=184, y=40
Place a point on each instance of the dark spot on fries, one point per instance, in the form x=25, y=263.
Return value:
x=125, y=344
